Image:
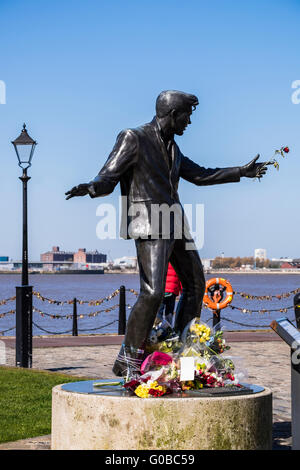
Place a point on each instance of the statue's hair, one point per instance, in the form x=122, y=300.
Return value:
x=172, y=99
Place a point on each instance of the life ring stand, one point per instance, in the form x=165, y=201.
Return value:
x=209, y=302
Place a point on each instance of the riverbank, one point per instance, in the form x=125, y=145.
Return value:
x=130, y=271
x=73, y=271
x=254, y=271
x=69, y=271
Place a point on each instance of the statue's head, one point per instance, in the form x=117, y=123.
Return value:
x=175, y=108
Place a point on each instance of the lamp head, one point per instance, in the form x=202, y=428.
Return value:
x=24, y=146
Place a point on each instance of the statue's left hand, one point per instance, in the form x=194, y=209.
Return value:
x=253, y=169
x=80, y=190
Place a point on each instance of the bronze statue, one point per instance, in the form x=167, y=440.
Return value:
x=148, y=164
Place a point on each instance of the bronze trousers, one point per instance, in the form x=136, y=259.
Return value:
x=153, y=258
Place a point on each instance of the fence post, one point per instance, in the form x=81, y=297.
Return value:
x=297, y=310
x=122, y=311
x=74, y=327
x=217, y=318
x=24, y=326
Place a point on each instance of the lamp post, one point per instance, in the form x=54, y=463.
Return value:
x=24, y=146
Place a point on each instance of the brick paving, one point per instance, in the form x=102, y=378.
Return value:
x=267, y=362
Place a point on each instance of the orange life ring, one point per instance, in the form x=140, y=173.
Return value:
x=229, y=294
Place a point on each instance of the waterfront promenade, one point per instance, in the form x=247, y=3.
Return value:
x=265, y=357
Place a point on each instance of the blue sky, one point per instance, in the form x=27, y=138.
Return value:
x=77, y=72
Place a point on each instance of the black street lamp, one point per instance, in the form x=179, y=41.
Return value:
x=24, y=146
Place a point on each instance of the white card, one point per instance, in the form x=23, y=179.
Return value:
x=187, y=368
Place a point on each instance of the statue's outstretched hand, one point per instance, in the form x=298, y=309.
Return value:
x=253, y=169
x=80, y=190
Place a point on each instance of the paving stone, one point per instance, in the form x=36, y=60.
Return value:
x=35, y=443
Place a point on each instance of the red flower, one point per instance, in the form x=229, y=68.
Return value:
x=286, y=149
x=210, y=380
x=156, y=393
x=132, y=385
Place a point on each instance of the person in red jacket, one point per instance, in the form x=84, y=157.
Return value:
x=172, y=290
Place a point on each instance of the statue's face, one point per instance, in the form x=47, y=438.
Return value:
x=181, y=120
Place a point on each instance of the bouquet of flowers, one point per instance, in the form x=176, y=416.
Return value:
x=200, y=339
x=161, y=372
x=159, y=376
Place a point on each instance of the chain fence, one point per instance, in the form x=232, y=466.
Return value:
x=122, y=306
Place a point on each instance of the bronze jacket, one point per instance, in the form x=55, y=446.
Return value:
x=140, y=162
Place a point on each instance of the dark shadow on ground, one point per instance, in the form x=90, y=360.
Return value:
x=58, y=369
x=282, y=435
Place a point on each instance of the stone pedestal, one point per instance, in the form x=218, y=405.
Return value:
x=114, y=420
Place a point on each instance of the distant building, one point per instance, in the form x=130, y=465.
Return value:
x=56, y=259
x=5, y=264
x=260, y=253
x=282, y=260
x=126, y=262
x=286, y=266
x=84, y=257
x=57, y=255
x=206, y=263
x=293, y=264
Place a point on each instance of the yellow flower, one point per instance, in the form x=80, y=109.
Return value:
x=201, y=330
x=142, y=391
x=187, y=385
x=155, y=386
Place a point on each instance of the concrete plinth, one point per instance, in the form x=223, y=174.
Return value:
x=116, y=421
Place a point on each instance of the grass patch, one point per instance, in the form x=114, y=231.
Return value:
x=25, y=402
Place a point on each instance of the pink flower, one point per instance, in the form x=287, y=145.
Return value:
x=155, y=359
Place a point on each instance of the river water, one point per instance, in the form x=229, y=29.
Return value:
x=93, y=287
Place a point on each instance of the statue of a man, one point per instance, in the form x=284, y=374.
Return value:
x=148, y=164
